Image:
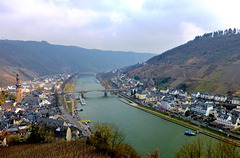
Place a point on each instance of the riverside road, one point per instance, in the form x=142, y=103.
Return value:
x=72, y=120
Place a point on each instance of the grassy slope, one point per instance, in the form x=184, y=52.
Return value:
x=64, y=149
x=210, y=64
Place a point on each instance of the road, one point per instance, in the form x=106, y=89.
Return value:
x=72, y=120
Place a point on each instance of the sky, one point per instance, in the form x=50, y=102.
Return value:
x=151, y=26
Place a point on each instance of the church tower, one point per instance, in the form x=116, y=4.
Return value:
x=19, y=90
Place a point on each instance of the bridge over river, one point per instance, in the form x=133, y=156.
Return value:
x=105, y=91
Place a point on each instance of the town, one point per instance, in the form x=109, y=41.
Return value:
x=31, y=106
x=217, y=112
x=39, y=104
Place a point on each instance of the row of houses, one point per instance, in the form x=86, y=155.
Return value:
x=179, y=102
x=147, y=96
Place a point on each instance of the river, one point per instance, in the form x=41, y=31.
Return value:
x=144, y=131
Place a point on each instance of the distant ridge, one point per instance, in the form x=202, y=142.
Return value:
x=31, y=58
x=210, y=62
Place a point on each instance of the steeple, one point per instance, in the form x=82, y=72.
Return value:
x=18, y=84
x=18, y=90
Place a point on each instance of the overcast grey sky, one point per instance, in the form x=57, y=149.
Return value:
x=128, y=25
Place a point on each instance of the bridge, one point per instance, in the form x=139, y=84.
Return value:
x=82, y=92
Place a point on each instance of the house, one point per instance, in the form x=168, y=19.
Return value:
x=236, y=111
x=207, y=96
x=29, y=100
x=166, y=104
x=182, y=93
x=26, y=88
x=183, y=109
x=224, y=119
x=183, y=100
x=195, y=94
x=59, y=127
x=32, y=117
x=7, y=106
x=220, y=98
x=12, y=130
x=235, y=100
x=164, y=90
x=235, y=122
x=173, y=91
x=44, y=112
x=3, y=126
x=12, y=91
x=48, y=87
x=148, y=83
x=44, y=102
x=201, y=108
x=24, y=124
x=141, y=95
x=42, y=96
x=13, y=87
x=151, y=98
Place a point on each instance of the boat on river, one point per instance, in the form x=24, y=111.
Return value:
x=190, y=133
x=96, y=80
x=82, y=101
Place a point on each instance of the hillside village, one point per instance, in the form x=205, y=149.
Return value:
x=218, y=111
x=39, y=108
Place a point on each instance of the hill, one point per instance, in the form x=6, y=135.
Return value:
x=208, y=63
x=59, y=149
x=31, y=58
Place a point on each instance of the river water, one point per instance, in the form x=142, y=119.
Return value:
x=144, y=131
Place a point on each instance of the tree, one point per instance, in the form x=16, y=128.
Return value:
x=182, y=86
x=187, y=113
x=56, y=97
x=155, y=154
x=109, y=139
x=191, y=149
x=226, y=150
x=37, y=134
x=137, y=78
x=4, y=95
x=107, y=135
x=230, y=93
x=207, y=149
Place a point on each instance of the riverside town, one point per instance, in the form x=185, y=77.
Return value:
x=37, y=104
x=45, y=102
x=207, y=113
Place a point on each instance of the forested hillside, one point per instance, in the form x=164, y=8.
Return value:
x=30, y=58
x=208, y=63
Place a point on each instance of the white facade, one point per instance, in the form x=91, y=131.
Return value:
x=224, y=120
x=203, y=109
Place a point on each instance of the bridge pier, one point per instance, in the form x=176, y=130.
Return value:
x=105, y=94
x=82, y=95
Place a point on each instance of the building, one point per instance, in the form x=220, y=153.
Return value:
x=19, y=96
x=195, y=94
x=148, y=83
x=224, y=119
x=141, y=95
x=221, y=98
x=201, y=108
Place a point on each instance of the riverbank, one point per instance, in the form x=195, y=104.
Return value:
x=179, y=122
x=67, y=108
x=70, y=104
